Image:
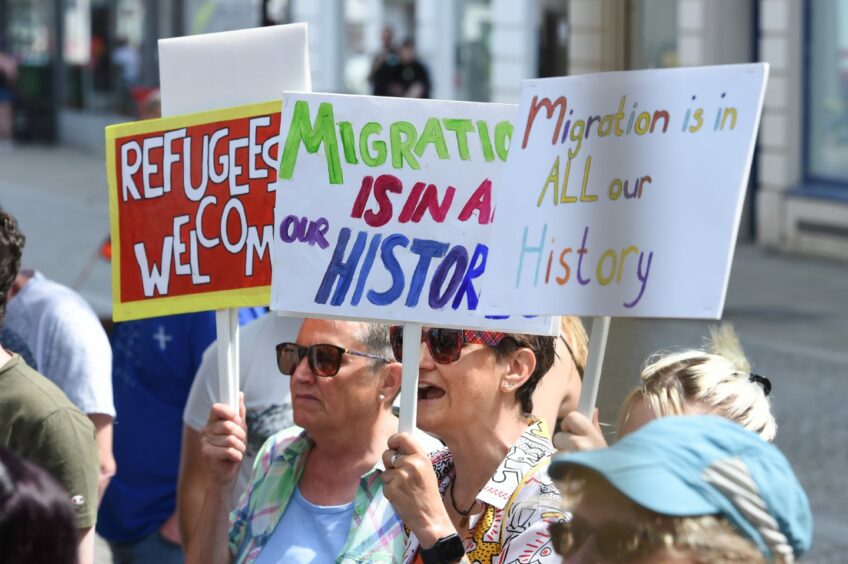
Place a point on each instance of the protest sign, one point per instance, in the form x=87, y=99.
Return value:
x=191, y=206
x=220, y=70
x=200, y=73
x=383, y=208
x=624, y=193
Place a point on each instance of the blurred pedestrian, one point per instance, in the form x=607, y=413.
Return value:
x=487, y=496
x=316, y=493
x=384, y=64
x=682, y=490
x=71, y=349
x=154, y=364
x=8, y=76
x=39, y=423
x=127, y=58
x=411, y=79
x=558, y=392
x=717, y=380
x=36, y=516
x=268, y=409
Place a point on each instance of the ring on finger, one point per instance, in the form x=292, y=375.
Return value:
x=394, y=458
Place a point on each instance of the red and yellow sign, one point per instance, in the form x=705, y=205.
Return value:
x=191, y=202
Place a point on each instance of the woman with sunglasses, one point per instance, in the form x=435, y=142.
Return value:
x=487, y=496
x=316, y=490
x=682, y=490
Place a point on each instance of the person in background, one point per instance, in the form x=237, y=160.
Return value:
x=384, y=65
x=717, y=380
x=268, y=404
x=410, y=79
x=38, y=422
x=683, y=489
x=316, y=493
x=558, y=392
x=127, y=58
x=71, y=349
x=486, y=497
x=154, y=363
x=36, y=516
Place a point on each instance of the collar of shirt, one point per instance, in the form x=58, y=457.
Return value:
x=532, y=446
x=493, y=534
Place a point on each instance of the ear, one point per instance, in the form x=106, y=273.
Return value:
x=390, y=382
x=520, y=365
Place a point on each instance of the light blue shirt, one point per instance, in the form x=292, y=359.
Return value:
x=308, y=533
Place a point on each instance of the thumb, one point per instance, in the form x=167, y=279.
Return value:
x=576, y=423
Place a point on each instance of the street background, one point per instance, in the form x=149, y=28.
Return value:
x=791, y=314
x=84, y=64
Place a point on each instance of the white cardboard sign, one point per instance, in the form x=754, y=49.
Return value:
x=200, y=73
x=624, y=192
x=383, y=209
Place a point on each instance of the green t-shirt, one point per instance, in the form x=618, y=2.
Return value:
x=38, y=422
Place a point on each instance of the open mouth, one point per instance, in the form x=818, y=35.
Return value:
x=428, y=392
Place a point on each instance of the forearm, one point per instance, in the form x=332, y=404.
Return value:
x=208, y=542
x=103, y=437
x=191, y=484
x=85, y=546
x=190, y=496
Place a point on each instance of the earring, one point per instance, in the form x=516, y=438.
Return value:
x=507, y=387
x=382, y=397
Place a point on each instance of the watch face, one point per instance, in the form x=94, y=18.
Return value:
x=450, y=548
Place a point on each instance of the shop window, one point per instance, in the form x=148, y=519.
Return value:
x=474, y=57
x=652, y=34
x=827, y=91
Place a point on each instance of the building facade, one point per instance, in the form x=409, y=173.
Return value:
x=798, y=199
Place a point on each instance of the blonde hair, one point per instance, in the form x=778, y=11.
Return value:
x=574, y=335
x=702, y=539
x=717, y=381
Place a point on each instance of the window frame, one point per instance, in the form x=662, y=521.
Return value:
x=813, y=185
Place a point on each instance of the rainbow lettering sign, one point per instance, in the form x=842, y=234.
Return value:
x=383, y=209
x=624, y=193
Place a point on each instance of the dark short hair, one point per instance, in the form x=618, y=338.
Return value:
x=543, y=349
x=11, y=247
x=37, y=521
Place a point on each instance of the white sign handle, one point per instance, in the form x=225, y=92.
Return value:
x=227, y=327
x=409, y=381
x=592, y=375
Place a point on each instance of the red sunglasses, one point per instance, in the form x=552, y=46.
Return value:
x=445, y=345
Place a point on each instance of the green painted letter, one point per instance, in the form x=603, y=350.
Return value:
x=402, y=149
x=323, y=132
x=369, y=129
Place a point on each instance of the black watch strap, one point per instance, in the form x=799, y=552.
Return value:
x=447, y=550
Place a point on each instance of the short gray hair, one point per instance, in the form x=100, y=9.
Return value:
x=375, y=338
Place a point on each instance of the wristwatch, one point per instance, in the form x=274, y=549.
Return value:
x=446, y=550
